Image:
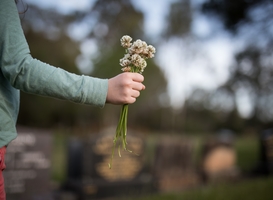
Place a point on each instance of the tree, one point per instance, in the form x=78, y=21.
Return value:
x=252, y=72
x=231, y=12
x=179, y=19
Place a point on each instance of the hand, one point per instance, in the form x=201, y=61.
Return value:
x=124, y=88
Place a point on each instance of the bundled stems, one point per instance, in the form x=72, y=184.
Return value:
x=121, y=132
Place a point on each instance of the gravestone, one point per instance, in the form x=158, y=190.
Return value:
x=267, y=151
x=94, y=179
x=28, y=162
x=218, y=161
x=173, y=167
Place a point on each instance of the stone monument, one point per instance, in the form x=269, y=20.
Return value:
x=174, y=169
x=28, y=162
x=94, y=179
x=218, y=161
x=266, y=159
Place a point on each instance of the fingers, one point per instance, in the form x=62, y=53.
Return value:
x=135, y=93
x=124, y=88
x=138, y=86
x=137, y=80
x=137, y=77
x=130, y=96
x=143, y=87
x=132, y=85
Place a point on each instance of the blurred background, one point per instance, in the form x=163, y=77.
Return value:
x=210, y=85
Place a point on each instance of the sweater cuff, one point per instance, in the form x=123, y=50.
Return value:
x=97, y=92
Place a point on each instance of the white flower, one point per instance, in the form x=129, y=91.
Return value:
x=143, y=65
x=124, y=62
x=137, y=47
x=150, y=51
x=136, y=60
x=126, y=41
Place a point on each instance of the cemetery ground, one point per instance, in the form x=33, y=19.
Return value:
x=251, y=189
x=247, y=186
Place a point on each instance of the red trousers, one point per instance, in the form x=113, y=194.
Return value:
x=2, y=167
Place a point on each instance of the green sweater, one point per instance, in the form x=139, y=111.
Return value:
x=19, y=71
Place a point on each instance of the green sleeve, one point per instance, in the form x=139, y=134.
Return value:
x=33, y=76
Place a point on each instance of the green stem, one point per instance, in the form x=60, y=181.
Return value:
x=124, y=133
x=121, y=132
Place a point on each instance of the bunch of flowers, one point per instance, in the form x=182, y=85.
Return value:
x=134, y=60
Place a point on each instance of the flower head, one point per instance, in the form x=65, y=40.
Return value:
x=136, y=60
x=137, y=47
x=126, y=41
x=151, y=51
x=124, y=62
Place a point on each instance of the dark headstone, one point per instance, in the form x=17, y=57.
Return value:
x=173, y=168
x=266, y=165
x=28, y=162
x=89, y=173
x=75, y=159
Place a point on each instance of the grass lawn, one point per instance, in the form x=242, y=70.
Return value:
x=253, y=189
